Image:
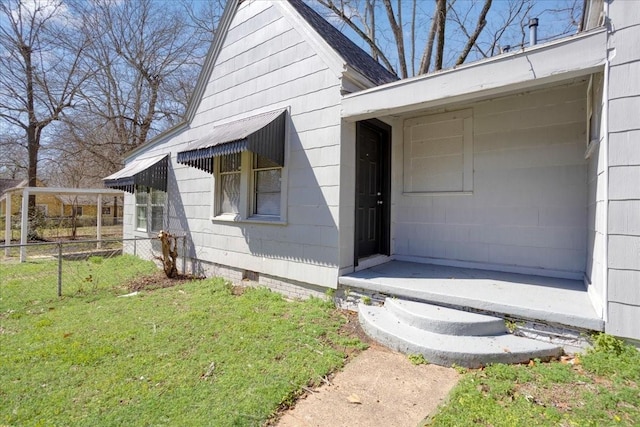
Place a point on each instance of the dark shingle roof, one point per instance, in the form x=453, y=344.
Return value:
x=353, y=55
x=6, y=184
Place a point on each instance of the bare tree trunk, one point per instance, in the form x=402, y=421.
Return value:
x=154, y=83
x=442, y=19
x=169, y=254
x=413, y=37
x=396, y=28
x=428, y=51
x=33, y=142
x=370, y=17
x=482, y=22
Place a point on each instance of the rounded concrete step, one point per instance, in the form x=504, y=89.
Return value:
x=445, y=350
x=443, y=320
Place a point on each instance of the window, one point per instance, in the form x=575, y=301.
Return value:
x=158, y=199
x=230, y=176
x=106, y=210
x=248, y=186
x=438, y=153
x=77, y=211
x=150, y=204
x=266, y=186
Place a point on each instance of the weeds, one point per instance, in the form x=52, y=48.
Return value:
x=597, y=388
x=418, y=359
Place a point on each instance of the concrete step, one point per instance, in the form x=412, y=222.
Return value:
x=381, y=324
x=443, y=320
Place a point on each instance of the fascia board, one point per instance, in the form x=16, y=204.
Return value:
x=552, y=62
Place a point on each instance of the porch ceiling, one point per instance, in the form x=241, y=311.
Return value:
x=537, y=66
x=556, y=301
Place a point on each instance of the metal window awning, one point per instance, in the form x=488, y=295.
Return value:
x=262, y=134
x=150, y=172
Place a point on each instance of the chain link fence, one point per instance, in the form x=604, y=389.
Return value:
x=69, y=268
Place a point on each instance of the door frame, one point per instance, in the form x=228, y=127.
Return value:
x=384, y=130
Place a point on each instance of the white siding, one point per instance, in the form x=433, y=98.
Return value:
x=624, y=171
x=266, y=64
x=529, y=200
x=438, y=153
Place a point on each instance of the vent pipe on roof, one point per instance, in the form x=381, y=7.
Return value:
x=533, y=31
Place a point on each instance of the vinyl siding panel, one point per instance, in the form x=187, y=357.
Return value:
x=624, y=172
x=266, y=64
x=528, y=207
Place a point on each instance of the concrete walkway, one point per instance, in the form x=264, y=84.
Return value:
x=379, y=388
x=559, y=301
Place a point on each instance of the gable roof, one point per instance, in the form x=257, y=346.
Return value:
x=351, y=53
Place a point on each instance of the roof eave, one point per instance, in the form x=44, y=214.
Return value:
x=555, y=61
x=358, y=78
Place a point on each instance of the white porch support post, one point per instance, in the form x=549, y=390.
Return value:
x=7, y=224
x=99, y=222
x=24, y=224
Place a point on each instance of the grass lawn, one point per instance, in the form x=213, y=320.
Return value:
x=599, y=388
x=200, y=353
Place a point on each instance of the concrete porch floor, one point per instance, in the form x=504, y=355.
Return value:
x=556, y=301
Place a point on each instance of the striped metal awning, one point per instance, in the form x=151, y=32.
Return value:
x=262, y=134
x=150, y=172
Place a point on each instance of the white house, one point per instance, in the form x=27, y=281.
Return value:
x=306, y=166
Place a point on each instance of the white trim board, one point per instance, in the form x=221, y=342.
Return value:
x=552, y=62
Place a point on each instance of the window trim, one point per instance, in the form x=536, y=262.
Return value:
x=246, y=209
x=466, y=115
x=253, y=189
x=218, y=192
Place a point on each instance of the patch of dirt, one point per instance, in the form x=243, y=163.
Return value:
x=352, y=327
x=563, y=397
x=157, y=280
x=238, y=290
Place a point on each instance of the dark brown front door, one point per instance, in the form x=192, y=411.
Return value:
x=372, y=189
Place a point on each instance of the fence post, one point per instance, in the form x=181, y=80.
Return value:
x=99, y=222
x=24, y=224
x=8, y=231
x=135, y=246
x=184, y=254
x=59, y=269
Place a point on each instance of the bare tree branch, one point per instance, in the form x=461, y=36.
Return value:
x=482, y=22
x=371, y=43
x=425, y=63
x=396, y=28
